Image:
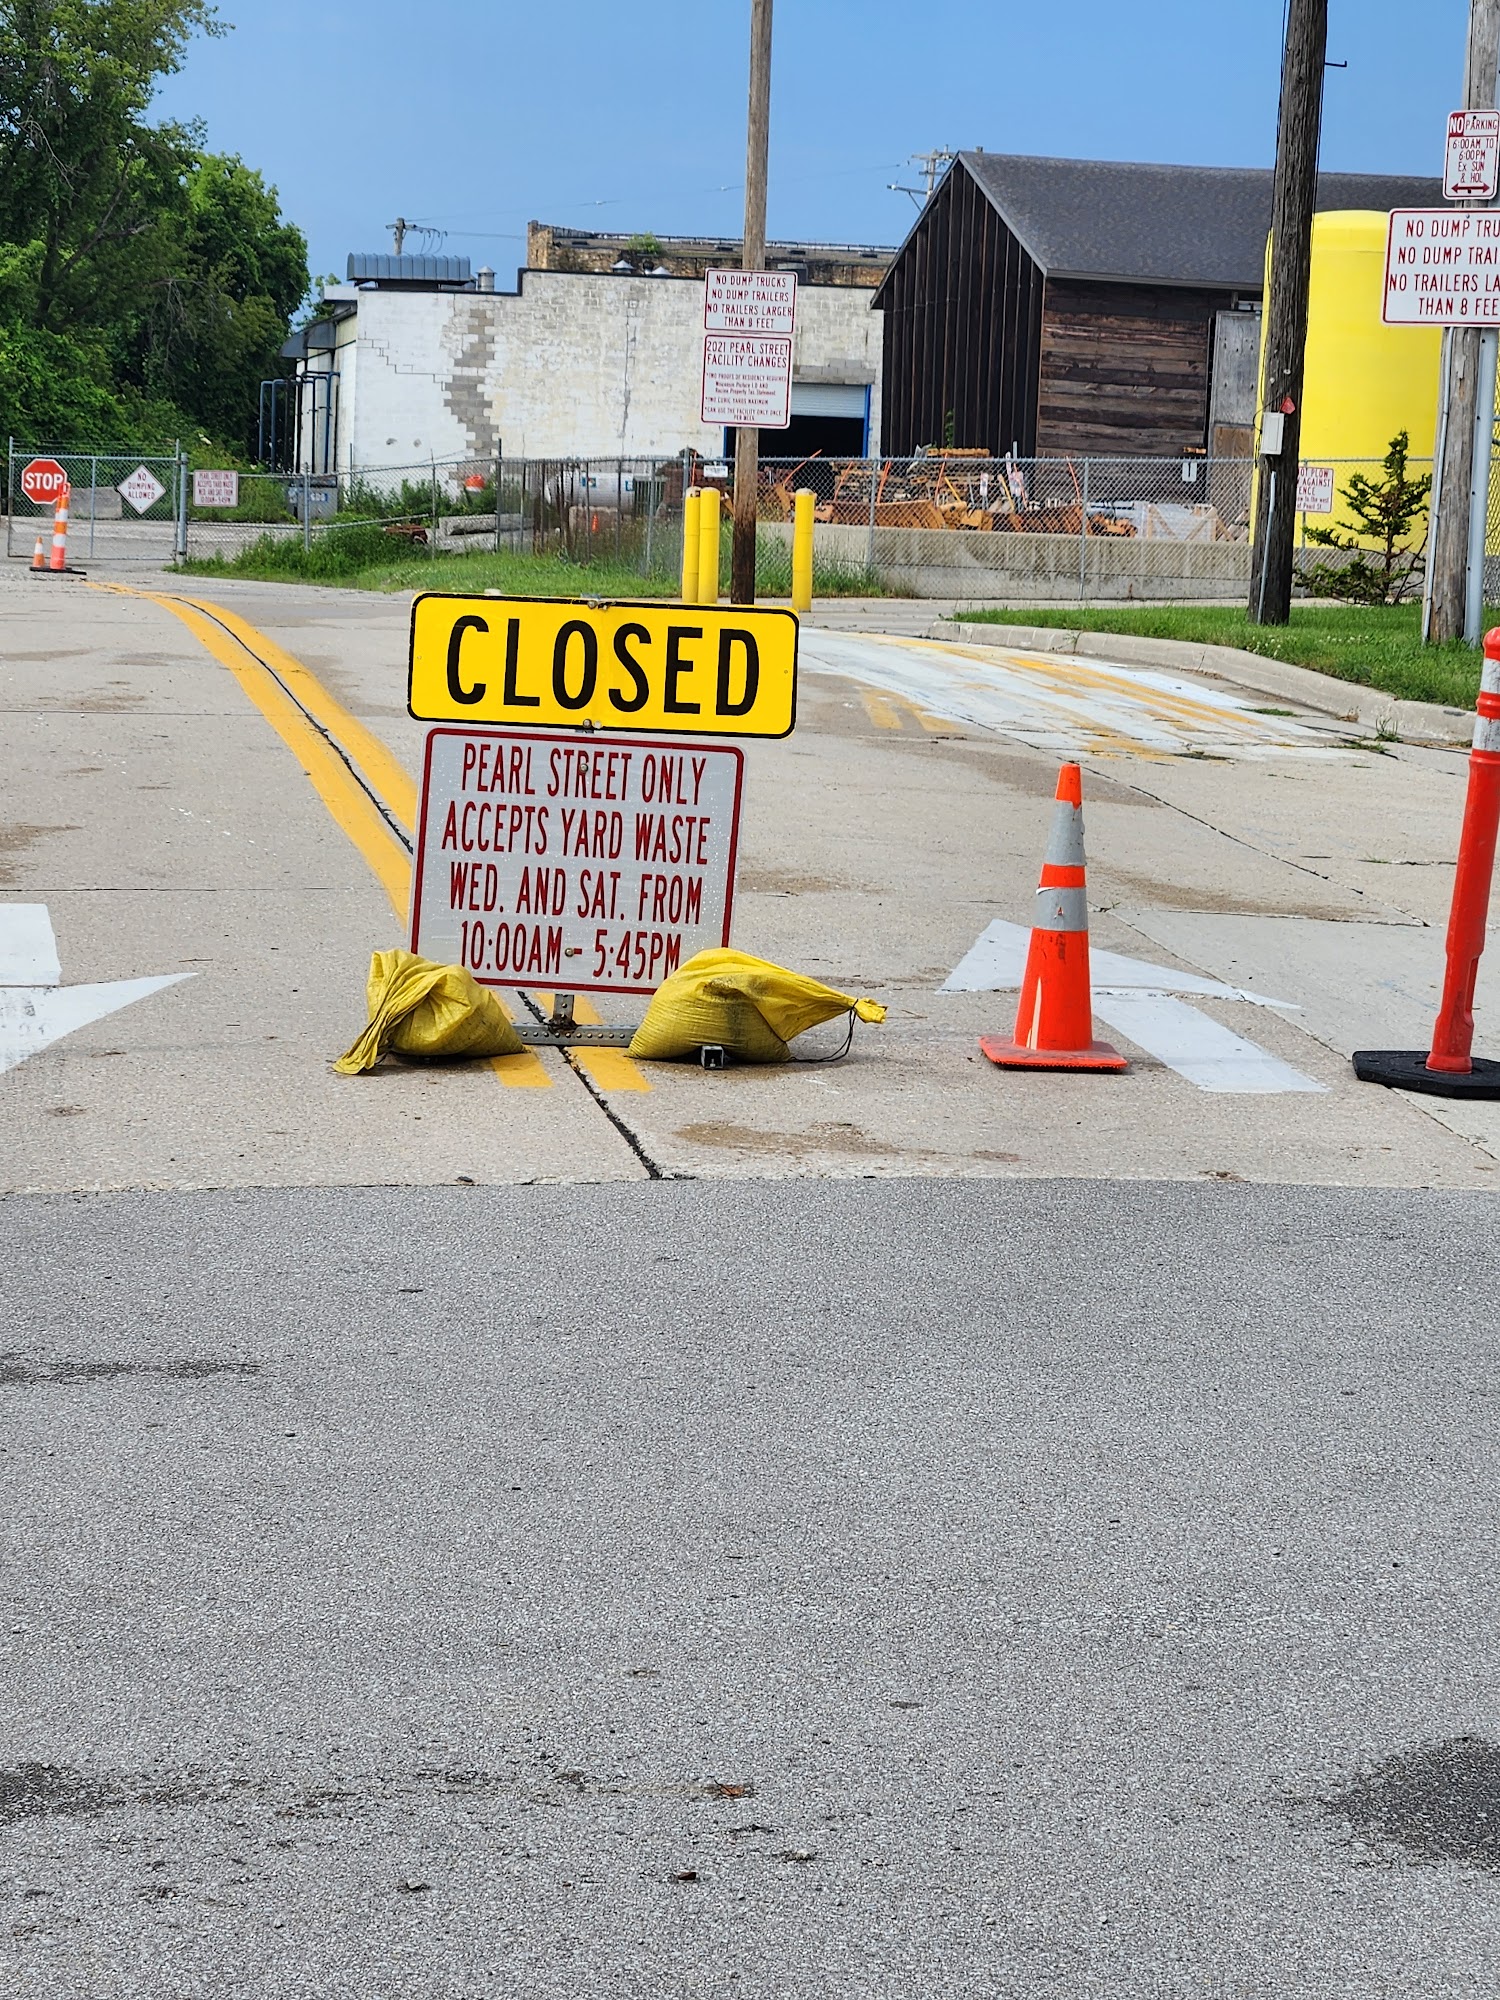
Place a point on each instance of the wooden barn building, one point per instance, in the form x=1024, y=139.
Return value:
x=1062, y=307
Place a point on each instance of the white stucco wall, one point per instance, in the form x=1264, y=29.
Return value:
x=573, y=364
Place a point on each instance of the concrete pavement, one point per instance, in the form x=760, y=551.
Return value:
x=849, y=1588
x=906, y=813
x=877, y=1529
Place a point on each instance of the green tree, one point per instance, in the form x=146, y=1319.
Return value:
x=1384, y=513
x=213, y=320
x=139, y=275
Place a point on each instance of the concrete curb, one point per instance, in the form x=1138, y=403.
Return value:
x=1365, y=708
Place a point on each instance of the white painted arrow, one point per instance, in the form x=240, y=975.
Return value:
x=1136, y=997
x=35, y=1007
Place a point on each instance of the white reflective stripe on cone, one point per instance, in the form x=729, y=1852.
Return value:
x=1065, y=841
x=1486, y=733
x=1062, y=910
x=1489, y=677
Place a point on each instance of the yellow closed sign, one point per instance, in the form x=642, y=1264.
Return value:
x=688, y=669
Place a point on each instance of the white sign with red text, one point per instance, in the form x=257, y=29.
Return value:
x=1471, y=163
x=142, y=489
x=1314, y=489
x=1442, y=267
x=571, y=863
x=748, y=321
x=215, y=489
x=747, y=381
x=763, y=302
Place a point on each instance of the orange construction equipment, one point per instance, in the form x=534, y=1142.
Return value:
x=1055, y=1020
x=60, y=531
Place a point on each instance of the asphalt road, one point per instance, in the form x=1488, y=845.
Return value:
x=860, y=1588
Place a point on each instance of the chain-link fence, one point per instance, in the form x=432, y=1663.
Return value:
x=122, y=506
x=967, y=526
x=944, y=524
x=619, y=513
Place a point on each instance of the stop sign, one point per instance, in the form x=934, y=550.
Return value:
x=44, y=479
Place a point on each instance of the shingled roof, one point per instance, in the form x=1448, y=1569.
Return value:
x=1165, y=225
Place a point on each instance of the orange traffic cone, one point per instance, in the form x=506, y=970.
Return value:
x=60, y=531
x=39, y=559
x=1055, y=1020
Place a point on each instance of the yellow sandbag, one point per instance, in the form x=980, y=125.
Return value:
x=437, y=1012
x=746, y=1006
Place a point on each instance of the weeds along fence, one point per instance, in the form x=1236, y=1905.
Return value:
x=946, y=524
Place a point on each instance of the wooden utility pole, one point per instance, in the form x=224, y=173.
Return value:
x=1448, y=560
x=1292, y=204
x=746, y=436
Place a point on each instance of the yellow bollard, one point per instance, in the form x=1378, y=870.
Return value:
x=690, y=505
x=708, y=546
x=803, y=503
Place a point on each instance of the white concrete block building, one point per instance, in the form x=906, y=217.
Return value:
x=573, y=363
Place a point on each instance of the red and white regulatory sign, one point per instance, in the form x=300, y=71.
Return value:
x=1472, y=156
x=748, y=321
x=43, y=480
x=1442, y=267
x=572, y=862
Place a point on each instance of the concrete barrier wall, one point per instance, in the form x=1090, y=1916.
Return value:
x=1041, y=569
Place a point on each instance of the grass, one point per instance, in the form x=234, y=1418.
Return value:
x=363, y=557
x=1377, y=646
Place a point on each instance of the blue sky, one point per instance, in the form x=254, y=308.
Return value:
x=475, y=115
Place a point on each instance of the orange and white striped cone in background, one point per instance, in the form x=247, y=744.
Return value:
x=39, y=557
x=60, y=531
x=1055, y=1020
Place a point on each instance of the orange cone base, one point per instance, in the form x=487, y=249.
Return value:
x=1013, y=1055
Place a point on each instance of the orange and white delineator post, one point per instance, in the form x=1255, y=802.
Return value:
x=1055, y=1020
x=60, y=531
x=1448, y=1068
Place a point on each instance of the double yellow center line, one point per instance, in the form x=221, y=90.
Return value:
x=368, y=792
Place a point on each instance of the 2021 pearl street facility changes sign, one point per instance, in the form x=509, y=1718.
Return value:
x=747, y=380
x=550, y=663
x=1442, y=267
x=749, y=318
x=1471, y=161
x=587, y=865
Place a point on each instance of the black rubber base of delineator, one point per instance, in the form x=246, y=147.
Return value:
x=1406, y=1069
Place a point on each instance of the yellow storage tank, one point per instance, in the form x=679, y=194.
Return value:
x=1364, y=381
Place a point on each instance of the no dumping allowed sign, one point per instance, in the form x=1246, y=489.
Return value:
x=1442, y=267
x=749, y=318
x=142, y=489
x=573, y=862
x=758, y=302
